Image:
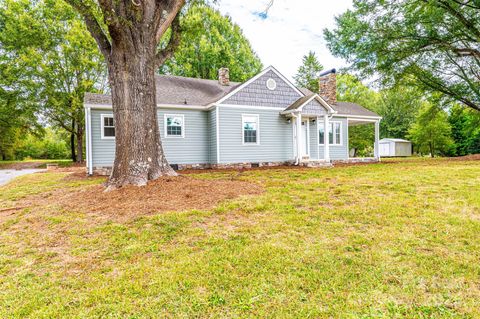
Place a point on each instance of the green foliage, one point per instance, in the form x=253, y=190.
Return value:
x=209, y=42
x=308, y=73
x=434, y=43
x=49, y=146
x=465, y=130
x=431, y=132
x=399, y=107
x=48, y=61
x=360, y=137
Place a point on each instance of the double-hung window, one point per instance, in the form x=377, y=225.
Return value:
x=334, y=133
x=174, y=125
x=250, y=127
x=108, y=126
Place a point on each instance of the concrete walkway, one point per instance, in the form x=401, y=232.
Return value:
x=7, y=175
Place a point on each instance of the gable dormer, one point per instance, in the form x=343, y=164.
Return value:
x=269, y=88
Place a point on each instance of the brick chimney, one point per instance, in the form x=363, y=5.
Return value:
x=328, y=86
x=224, y=76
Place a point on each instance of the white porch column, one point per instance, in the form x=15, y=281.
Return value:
x=377, y=138
x=299, y=136
x=326, y=145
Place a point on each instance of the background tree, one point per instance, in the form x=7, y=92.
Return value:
x=350, y=89
x=398, y=107
x=465, y=125
x=209, y=42
x=435, y=43
x=55, y=61
x=128, y=33
x=308, y=73
x=431, y=132
x=16, y=119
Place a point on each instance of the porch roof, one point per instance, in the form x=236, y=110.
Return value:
x=343, y=108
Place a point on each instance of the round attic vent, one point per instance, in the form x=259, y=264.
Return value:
x=271, y=84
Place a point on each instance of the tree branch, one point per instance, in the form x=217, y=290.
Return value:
x=93, y=27
x=173, y=43
x=166, y=21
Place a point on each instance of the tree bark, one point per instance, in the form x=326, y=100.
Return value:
x=129, y=45
x=79, y=136
x=72, y=142
x=139, y=155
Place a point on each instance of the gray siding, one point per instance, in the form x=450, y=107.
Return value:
x=275, y=137
x=337, y=152
x=257, y=93
x=212, y=129
x=340, y=152
x=192, y=149
x=103, y=150
x=314, y=108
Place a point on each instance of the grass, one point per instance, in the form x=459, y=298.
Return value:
x=399, y=239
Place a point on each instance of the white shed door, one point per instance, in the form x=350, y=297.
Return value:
x=385, y=149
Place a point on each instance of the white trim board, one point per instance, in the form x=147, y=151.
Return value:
x=328, y=134
x=102, y=126
x=258, y=130
x=159, y=106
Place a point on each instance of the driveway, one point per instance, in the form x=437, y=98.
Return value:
x=8, y=174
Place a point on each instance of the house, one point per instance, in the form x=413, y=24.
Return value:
x=395, y=147
x=263, y=121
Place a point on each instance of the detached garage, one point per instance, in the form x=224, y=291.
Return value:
x=394, y=147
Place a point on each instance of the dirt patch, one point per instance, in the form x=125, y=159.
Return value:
x=22, y=165
x=165, y=194
x=473, y=157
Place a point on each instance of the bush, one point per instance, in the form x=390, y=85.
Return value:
x=50, y=146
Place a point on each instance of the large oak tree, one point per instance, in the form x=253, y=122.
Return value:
x=128, y=33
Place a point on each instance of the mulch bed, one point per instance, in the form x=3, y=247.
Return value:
x=165, y=194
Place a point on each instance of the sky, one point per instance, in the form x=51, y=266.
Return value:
x=289, y=31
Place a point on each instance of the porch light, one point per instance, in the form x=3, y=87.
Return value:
x=289, y=120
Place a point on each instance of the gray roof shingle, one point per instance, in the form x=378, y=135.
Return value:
x=178, y=90
x=349, y=108
x=298, y=103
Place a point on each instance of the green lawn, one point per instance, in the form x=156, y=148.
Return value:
x=399, y=239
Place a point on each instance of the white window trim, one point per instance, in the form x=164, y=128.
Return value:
x=258, y=129
x=165, y=116
x=102, y=126
x=321, y=143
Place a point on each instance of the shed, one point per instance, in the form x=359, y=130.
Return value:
x=395, y=147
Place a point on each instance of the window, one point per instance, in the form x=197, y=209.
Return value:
x=271, y=84
x=108, y=126
x=250, y=129
x=334, y=133
x=174, y=125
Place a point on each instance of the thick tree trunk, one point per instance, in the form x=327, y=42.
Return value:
x=139, y=155
x=72, y=142
x=79, y=136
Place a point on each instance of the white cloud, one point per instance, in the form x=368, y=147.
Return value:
x=291, y=29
